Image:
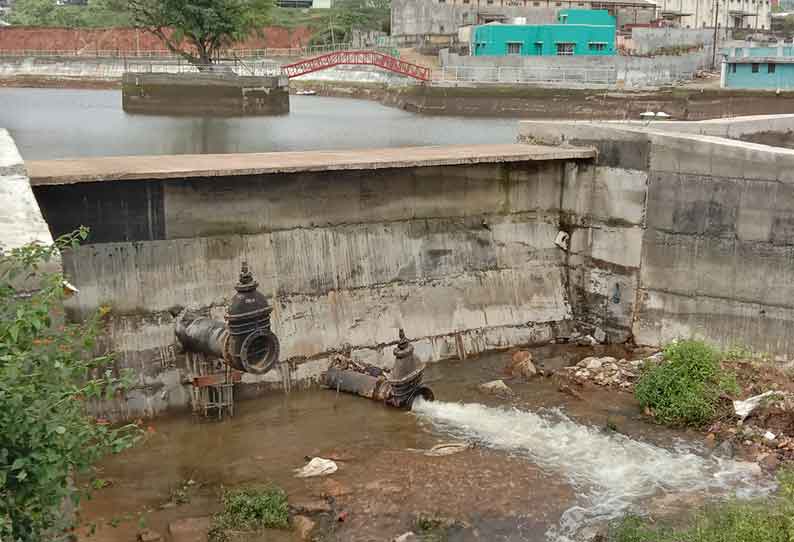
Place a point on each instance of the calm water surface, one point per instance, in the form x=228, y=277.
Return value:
x=65, y=123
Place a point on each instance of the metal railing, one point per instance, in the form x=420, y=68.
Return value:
x=591, y=76
x=236, y=66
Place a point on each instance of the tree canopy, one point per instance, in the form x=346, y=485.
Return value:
x=98, y=13
x=197, y=30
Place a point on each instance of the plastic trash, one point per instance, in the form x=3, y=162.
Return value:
x=317, y=467
x=746, y=407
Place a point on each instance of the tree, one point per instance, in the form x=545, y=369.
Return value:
x=346, y=15
x=198, y=30
x=98, y=13
x=48, y=373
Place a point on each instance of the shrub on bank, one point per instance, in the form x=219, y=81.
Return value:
x=759, y=521
x=686, y=388
x=250, y=509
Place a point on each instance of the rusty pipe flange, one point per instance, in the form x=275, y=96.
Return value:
x=259, y=351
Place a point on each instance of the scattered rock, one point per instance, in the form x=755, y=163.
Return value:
x=770, y=462
x=565, y=388
x=711, y=440
x=406, y=537
x=496, y=387
x=521, y=366
x=190, y=529
x=316, y=506
x=303, y=526
x=726, y=449
x=148, y=535
x=587, y=340
x=334, y=488
x=603, y=371
x=600, y=335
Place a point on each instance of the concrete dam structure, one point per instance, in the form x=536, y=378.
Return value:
x=207, y=93
x=641, y=233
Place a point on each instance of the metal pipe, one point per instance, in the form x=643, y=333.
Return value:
x=200, y=334
x=244, y=340
x=399, y=389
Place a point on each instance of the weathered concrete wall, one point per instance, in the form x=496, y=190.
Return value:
x=715, y=242
x=461, y=256
x=190, y=94
x=111, y=68
x=525, y=101
x=648, y=41
x=21, y=221
x=632, y=71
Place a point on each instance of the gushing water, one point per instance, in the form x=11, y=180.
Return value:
x=611, y=473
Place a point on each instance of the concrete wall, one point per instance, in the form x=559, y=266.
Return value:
x=110, y=68
x=712, y=256
x=463, y=257
x=648, y=41
x=21, y=221
x=204, y=93
x=628, y=70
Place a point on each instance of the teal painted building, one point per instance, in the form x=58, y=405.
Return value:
x=767, y=68
x=579, y=32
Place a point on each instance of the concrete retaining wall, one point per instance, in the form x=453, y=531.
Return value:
x=461, y=256
x=712, y=257
x=204, y=93
x=21, y=221
x=648, y=41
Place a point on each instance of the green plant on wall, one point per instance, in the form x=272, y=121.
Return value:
x=49, y=371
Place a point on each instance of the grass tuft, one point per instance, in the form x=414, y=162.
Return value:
x=759, y=521
x=686, y=388
x=250, y=509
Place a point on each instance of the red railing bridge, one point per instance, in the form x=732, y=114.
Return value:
x=357, y=58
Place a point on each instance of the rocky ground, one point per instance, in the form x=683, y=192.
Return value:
x=766, y=435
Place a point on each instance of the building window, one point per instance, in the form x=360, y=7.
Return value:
x=732, y=68
x=755, y=68
x=539, y=48
x=565, y=49
x=514, y=48
x=770, y=68
x=597, y=46
x=536, y=4
x=558, y=4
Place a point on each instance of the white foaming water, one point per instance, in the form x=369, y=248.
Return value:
x=610, y=472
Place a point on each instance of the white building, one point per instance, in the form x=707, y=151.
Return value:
x=752, y=14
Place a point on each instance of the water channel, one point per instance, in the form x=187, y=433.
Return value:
x=67, y=123
x=543, y=465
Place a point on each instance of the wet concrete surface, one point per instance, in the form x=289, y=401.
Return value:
x=383, y=484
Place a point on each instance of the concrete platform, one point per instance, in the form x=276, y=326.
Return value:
x=84, y=170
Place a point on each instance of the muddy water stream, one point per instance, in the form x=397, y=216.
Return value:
x=544, y=465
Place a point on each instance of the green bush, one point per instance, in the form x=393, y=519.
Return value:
x=685, y=389
x=49, y=371
x=250, y=509
x=760, y=521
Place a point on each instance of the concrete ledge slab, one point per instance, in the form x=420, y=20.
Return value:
x=53, y=172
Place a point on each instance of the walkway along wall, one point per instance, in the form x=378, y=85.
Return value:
x=711, y=255
x=453, y=244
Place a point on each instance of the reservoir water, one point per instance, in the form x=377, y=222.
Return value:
x=66, y=123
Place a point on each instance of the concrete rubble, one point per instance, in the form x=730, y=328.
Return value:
x=496, y=387
x=608, y=372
